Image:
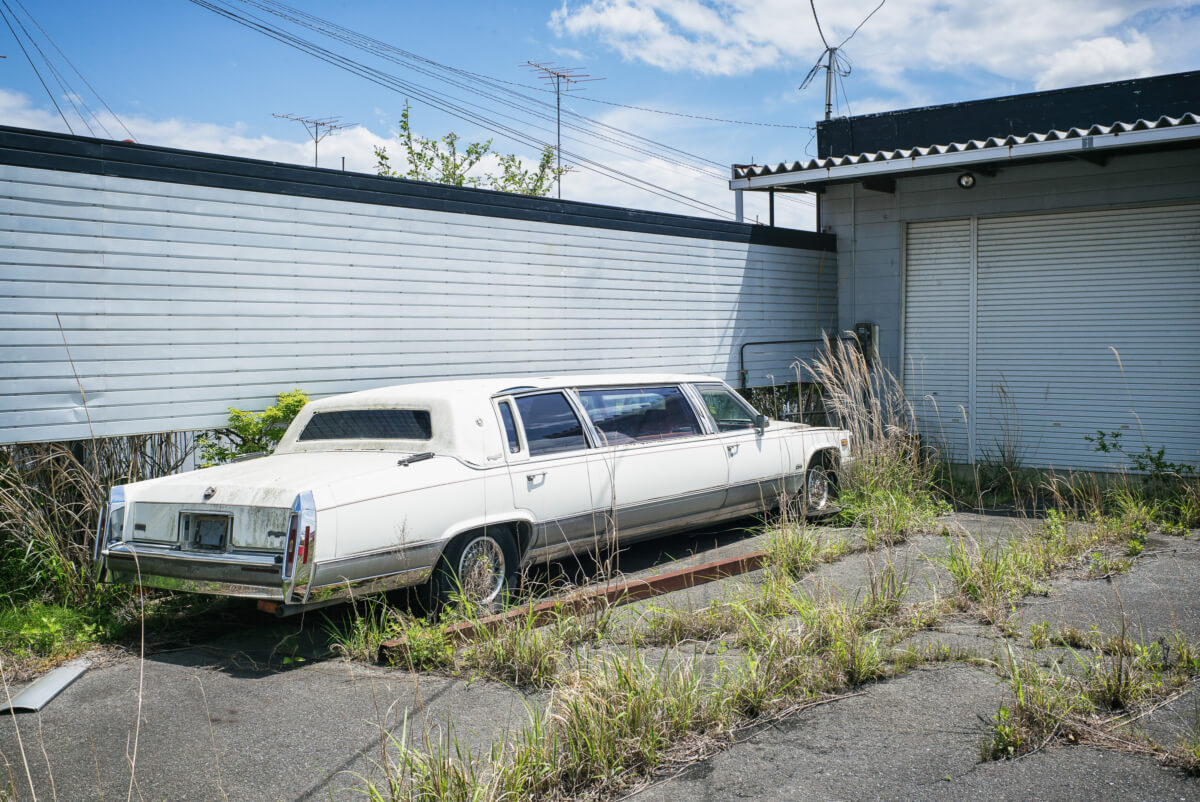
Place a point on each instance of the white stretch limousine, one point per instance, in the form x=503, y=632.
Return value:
x=461, y=483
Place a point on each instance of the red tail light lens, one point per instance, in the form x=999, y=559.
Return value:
x=289, y=561
x=304, y=550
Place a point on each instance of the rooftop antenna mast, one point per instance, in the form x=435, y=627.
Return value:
x=315, y=126
x=835, y=63
x=561, y=78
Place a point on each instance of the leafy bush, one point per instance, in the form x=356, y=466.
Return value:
x=251, y=432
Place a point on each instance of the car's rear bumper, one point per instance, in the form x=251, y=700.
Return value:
x=252, y=576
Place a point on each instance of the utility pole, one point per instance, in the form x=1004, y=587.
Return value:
x=314, y=126
x=561, y=79
x=830, y=52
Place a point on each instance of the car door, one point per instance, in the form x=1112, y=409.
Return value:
x=662, y=468
x=757, y=459
x=548, y=465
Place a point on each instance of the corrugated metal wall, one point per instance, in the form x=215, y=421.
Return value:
x=179, y=300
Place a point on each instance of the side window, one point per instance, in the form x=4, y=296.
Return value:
x=550, y=424
x=510, y=427
x=728, y=410
x=628, y=415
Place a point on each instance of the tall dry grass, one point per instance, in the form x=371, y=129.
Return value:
x=51, y=497
x=888, y=484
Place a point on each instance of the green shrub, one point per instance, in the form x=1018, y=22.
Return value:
x=251, y=432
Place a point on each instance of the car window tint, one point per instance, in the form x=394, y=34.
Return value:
x=510, y=427
x=550, y=424
x=369, y=424
x=627, y=415
x=728, y=410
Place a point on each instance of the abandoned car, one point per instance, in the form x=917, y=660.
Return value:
x=461, y=484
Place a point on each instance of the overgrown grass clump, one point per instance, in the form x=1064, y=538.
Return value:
x=996, y=576
x=888, y=486
x=1100, y=690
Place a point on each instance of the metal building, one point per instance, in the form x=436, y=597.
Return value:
x=1035, y=277
x=170, y=285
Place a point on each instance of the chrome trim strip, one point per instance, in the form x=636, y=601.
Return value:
x=226, y=559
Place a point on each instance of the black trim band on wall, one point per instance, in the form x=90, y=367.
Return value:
x=52, y=151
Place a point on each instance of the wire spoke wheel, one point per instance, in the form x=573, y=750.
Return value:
x=482, y=570
x=818, y=491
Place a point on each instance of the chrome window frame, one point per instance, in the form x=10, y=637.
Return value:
x=589, y=434
x=754, y=413
x=701, y=422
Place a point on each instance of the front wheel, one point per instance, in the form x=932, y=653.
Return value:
x=480, y=568
x=820, y=491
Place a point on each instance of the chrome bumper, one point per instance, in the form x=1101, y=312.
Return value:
x=252, y=576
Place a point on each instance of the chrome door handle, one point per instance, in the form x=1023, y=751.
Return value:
x=731, y=449
x=531, y=477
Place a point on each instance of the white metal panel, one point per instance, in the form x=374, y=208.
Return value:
x=1088, y=321
x=937, y=284
x=178, y=301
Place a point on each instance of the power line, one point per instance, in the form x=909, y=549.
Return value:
x=864, y=22
x=472, y=82
x=82, y=77
x=34, y=66
x=395, y=84
x=812, y=4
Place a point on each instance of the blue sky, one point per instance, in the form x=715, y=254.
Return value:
x=183, y=76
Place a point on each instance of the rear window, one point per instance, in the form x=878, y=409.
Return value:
x=369, y=424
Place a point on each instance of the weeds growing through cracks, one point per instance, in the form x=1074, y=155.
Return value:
x=1095, y=698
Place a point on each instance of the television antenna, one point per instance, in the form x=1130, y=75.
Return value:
x=562, y=79
x=314, y=127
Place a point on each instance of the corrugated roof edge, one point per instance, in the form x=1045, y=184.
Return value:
x=49, y=150
x=755, y=171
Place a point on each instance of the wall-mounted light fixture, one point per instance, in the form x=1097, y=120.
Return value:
x=966, y=180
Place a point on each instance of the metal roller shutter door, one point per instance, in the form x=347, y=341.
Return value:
x=1086, y=321
x=937, y=285
x=1049, y=327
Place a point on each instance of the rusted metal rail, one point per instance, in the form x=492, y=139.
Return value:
x=611, y=594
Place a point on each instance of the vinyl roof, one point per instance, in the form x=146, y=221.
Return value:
x=1079, y=142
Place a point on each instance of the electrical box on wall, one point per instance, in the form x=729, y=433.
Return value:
x=867, y=335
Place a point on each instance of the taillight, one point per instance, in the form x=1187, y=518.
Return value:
x=303, y=551
x=302, y=534
x=290, y=560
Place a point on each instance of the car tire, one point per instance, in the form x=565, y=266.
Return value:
x=820, y=490
x=479, y=567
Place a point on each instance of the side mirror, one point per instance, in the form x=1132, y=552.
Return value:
x=761, y=422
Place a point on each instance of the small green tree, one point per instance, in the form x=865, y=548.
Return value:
x=439, y=161
x=251, y=432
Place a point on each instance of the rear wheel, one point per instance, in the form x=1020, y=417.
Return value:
x=820, y=490
x=479, y=567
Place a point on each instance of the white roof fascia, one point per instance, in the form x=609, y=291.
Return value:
x=966, y=158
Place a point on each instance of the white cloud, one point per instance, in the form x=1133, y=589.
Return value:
x=1104, y=57
x=1049, y=44
x=356, y=144
x=567, y=52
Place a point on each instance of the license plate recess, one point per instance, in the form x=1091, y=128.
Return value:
x=204, y=531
